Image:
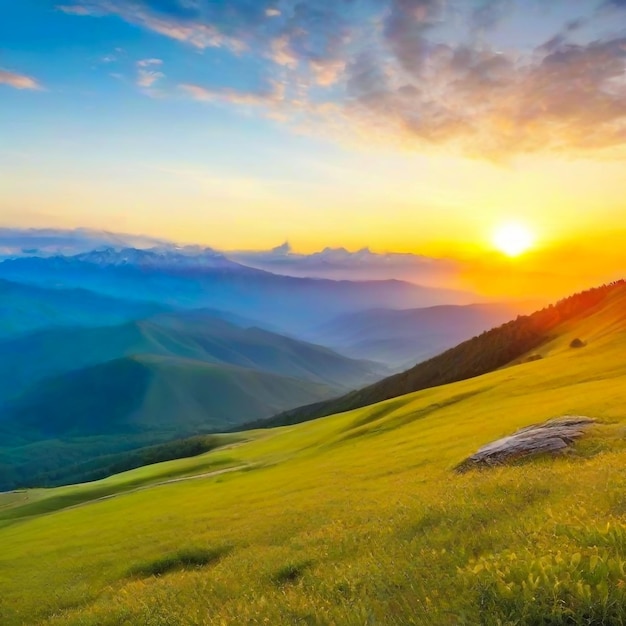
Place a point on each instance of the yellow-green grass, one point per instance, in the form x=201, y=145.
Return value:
x=16, y=505
x=359, y=518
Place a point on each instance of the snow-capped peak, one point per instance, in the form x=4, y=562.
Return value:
x=190, y=257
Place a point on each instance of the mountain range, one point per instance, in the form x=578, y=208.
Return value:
x=331, y=263
x=161, y=258
x=43, y=242
x=177, y=279
x=26, y=308
x=342, y=264
x=199, y=336
x=93, y=391
x=402, y=338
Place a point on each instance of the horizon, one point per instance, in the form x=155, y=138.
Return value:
x=239, y=126
x=536, y=274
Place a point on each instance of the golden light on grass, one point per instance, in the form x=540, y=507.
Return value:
x=513, y=238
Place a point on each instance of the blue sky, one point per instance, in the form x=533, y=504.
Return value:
x=389, y=123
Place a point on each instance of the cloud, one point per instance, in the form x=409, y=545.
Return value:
x=560, y=96
x=17, y=242
x=424, y=73
x=407, y=27
x=489, y=13
x=265, y=97
x=18, y=81
x=113, y=57
x=282, y=53
x=312, y=29
x=74, y=9
x=147, y=77
x=149, y=62
x=341, y=264
x=166, y=17
x=327, y=72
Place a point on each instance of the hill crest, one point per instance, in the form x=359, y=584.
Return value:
x=485, y=353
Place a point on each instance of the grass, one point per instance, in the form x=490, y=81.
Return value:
x=290, y=572
x=130, y=403
x=188, y=558
x=15, y=505
x=358, y=518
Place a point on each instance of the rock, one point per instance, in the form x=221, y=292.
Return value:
x=551, y=437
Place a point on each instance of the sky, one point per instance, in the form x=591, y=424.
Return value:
x=403, y=125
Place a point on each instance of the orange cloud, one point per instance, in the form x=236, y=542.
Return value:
x=232, y=96
x=18, y=81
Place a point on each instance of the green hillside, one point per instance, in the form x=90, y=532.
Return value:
x=102, y=467
x=133, y=402
x=356, y=518
x=27, y=308
x=196, y=335
x=482, y=354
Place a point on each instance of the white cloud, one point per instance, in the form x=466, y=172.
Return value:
x=149, y=62
x=147, y=78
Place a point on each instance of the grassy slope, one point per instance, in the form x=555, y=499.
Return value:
x=32, y=502
x=358, y=518
x=131, y=403
x=485, y=353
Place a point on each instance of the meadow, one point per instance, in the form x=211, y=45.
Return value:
x=357, y=518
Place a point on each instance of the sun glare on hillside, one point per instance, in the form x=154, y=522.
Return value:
x=513, y=238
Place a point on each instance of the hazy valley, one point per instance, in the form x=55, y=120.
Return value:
x=107, y=351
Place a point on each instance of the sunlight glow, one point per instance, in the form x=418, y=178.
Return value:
x=513, y=239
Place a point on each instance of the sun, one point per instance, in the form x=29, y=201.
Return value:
x=513, y=238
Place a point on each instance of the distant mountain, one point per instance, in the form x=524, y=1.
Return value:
x=195, y=335
x=165, y=259
x=501, y=346
x=150, y=395
x=342, y=264
x=401, y=338
x=132, y=402
x=292, y=304
x=20, y=242
x=331, y=263
x=26, y=308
